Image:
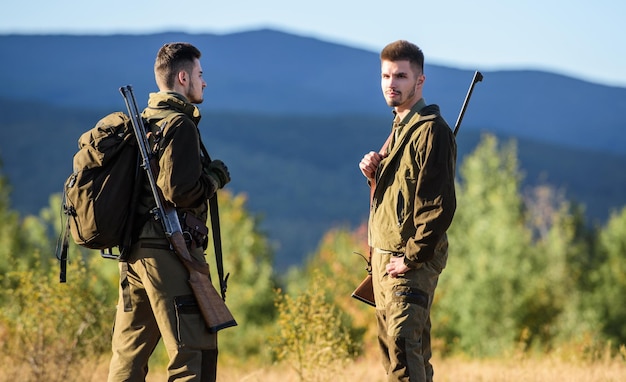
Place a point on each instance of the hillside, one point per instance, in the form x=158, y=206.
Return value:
x=299, y=173
x=292, y=116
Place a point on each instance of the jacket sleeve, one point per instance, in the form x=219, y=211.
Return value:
x=435, y=199
x=181, y=178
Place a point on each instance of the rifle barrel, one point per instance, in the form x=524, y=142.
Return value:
x=478, y=76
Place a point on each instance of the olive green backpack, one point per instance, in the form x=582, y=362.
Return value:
x=100, y=196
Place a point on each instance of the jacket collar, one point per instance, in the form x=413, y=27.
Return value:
x=413, y=120
x=415, y=109
x=158, y=102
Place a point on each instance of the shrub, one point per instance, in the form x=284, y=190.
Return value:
x=50, y=330
x=312, y=338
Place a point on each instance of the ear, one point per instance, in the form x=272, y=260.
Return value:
x=421, y=79
x=182, y=77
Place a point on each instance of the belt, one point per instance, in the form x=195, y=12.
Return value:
x=386, y=252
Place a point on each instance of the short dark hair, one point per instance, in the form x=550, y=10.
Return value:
x=173, y=58
x=404, y=50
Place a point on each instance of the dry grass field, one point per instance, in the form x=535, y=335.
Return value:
x=455, y=370
x=553, y=368
x=548, y=369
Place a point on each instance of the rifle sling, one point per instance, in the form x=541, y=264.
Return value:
x=215, y=228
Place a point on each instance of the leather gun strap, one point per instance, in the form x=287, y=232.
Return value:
x=382, y=151
x=217, y=240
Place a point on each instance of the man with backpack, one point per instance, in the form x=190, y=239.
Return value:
x=155, y=298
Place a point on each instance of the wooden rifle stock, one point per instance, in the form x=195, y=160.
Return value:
x=365, y=291
x=213, y=308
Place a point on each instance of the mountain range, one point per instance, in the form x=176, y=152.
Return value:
x=292, y=115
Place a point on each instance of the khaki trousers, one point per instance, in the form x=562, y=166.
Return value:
x=403, y=315
x=156, y=302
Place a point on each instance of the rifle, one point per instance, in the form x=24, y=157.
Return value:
x=213, y=308
x=365, y=291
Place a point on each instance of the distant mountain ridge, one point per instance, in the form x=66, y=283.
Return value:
x=292, y=117
x=272, y=72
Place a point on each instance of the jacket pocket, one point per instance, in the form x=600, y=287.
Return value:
x=406, y=191
x=400, y=207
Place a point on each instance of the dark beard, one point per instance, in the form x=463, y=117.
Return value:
x=398, y=102
x=194, y=101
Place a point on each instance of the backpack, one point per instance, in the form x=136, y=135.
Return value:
x=99, y=192
x=100, y=196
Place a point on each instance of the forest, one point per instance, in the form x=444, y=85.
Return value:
x=526, y=277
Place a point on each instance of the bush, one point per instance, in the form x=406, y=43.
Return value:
x=312, y=338
x=50, y=330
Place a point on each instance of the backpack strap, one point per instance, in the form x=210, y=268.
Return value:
x=162, y=120
x=63, y=245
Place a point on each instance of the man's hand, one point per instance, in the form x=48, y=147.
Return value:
x=219, y=172
x=396, y=266
x=369, y=164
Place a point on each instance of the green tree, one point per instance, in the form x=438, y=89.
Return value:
x=609, y=279
x=554, y=310
x=489, y=263
x=517, y=267
x=11, y=236
x=250, y=296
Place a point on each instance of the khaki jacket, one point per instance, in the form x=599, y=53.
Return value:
x=414, y=200
x=181, y=178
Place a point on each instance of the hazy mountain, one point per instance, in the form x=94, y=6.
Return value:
x=272, y=72
x=292, y=117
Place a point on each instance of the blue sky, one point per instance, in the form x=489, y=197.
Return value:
x=576, y=38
